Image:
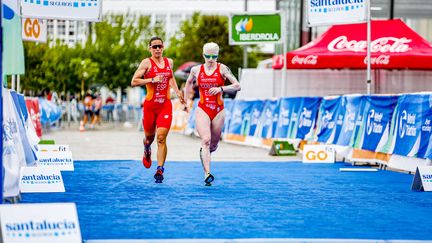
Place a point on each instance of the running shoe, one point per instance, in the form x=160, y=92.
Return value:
x=209, y=179
x=159, y=174
x=146, y=160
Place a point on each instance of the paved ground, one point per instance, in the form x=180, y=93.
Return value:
x=120, y=142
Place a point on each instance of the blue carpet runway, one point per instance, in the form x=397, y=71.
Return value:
x=119, y=200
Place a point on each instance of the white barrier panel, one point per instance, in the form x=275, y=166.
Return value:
x=41, y=179
x=44, y=222
x=52, y=147
x=61, y=160
x=89, y=10
x=423, y=179
x=318, y=154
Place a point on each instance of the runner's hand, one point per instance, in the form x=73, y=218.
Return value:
x=214, y=91
x=158, y=79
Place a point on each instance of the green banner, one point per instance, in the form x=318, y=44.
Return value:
x=255, y=28
x=281, y=148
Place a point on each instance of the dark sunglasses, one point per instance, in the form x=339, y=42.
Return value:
x=157, y=46
x=210, y=56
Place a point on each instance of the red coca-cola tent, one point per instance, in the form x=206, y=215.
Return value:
x=394, y=46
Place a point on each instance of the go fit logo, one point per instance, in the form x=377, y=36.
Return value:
x=32, y=28
x=321, y=155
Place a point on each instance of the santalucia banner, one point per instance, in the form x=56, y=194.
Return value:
x=411, y=126
x=288, y=108
x=307, y=117
x=373, y=134
x=353, y=107
x=331, y=111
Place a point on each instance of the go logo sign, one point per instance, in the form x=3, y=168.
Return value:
x=318, y=154
x=32, y=28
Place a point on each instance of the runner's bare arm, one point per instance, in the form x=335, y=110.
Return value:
x=190, y=80
x=227, y=74
x=137, y=79
x=173, y=83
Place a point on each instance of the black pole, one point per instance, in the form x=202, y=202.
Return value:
x=391, y=9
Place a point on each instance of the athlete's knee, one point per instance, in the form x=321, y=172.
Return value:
x=205, y=141
x=161, y=139
x=213, y=147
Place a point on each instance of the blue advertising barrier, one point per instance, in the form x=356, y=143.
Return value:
x=228, y=106
x=375, y=128
x=269, y=118
x=286, y=107
x=307, y=117
x=191, y=120
x=256, y=111
x=50, y=112
x=353, y=106
x=411, y=125
x=329, y=113
x=240, y=119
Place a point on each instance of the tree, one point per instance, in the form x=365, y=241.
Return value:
x=187, y=44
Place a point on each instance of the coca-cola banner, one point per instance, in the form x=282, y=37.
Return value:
x=329, y=12
x=394, y=46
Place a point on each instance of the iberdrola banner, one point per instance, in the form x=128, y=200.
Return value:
x=268, y=119
x=228, y=105
x=375, y=129
x=411, y=128
x=353, y=108
x=329, y=114
x=307, y=118
x=286, y=107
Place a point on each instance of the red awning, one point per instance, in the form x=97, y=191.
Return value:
x=394, y=46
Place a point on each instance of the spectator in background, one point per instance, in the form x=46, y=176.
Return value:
x=109, y=102
x=88, y=108
x=97, y=108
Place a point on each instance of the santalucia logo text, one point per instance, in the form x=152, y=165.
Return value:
x=40, y=177
x=55, y=160
x=37, y=226
x=321, y=3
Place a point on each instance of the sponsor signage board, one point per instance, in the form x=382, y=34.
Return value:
x=422, y=179
x=330, y=12
x=40, y=222
x=245, y=29
x=34, y=30
x=88, y=10
x=52, y=148
x=41, y=179
x=318, y=154
x=61, y=160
